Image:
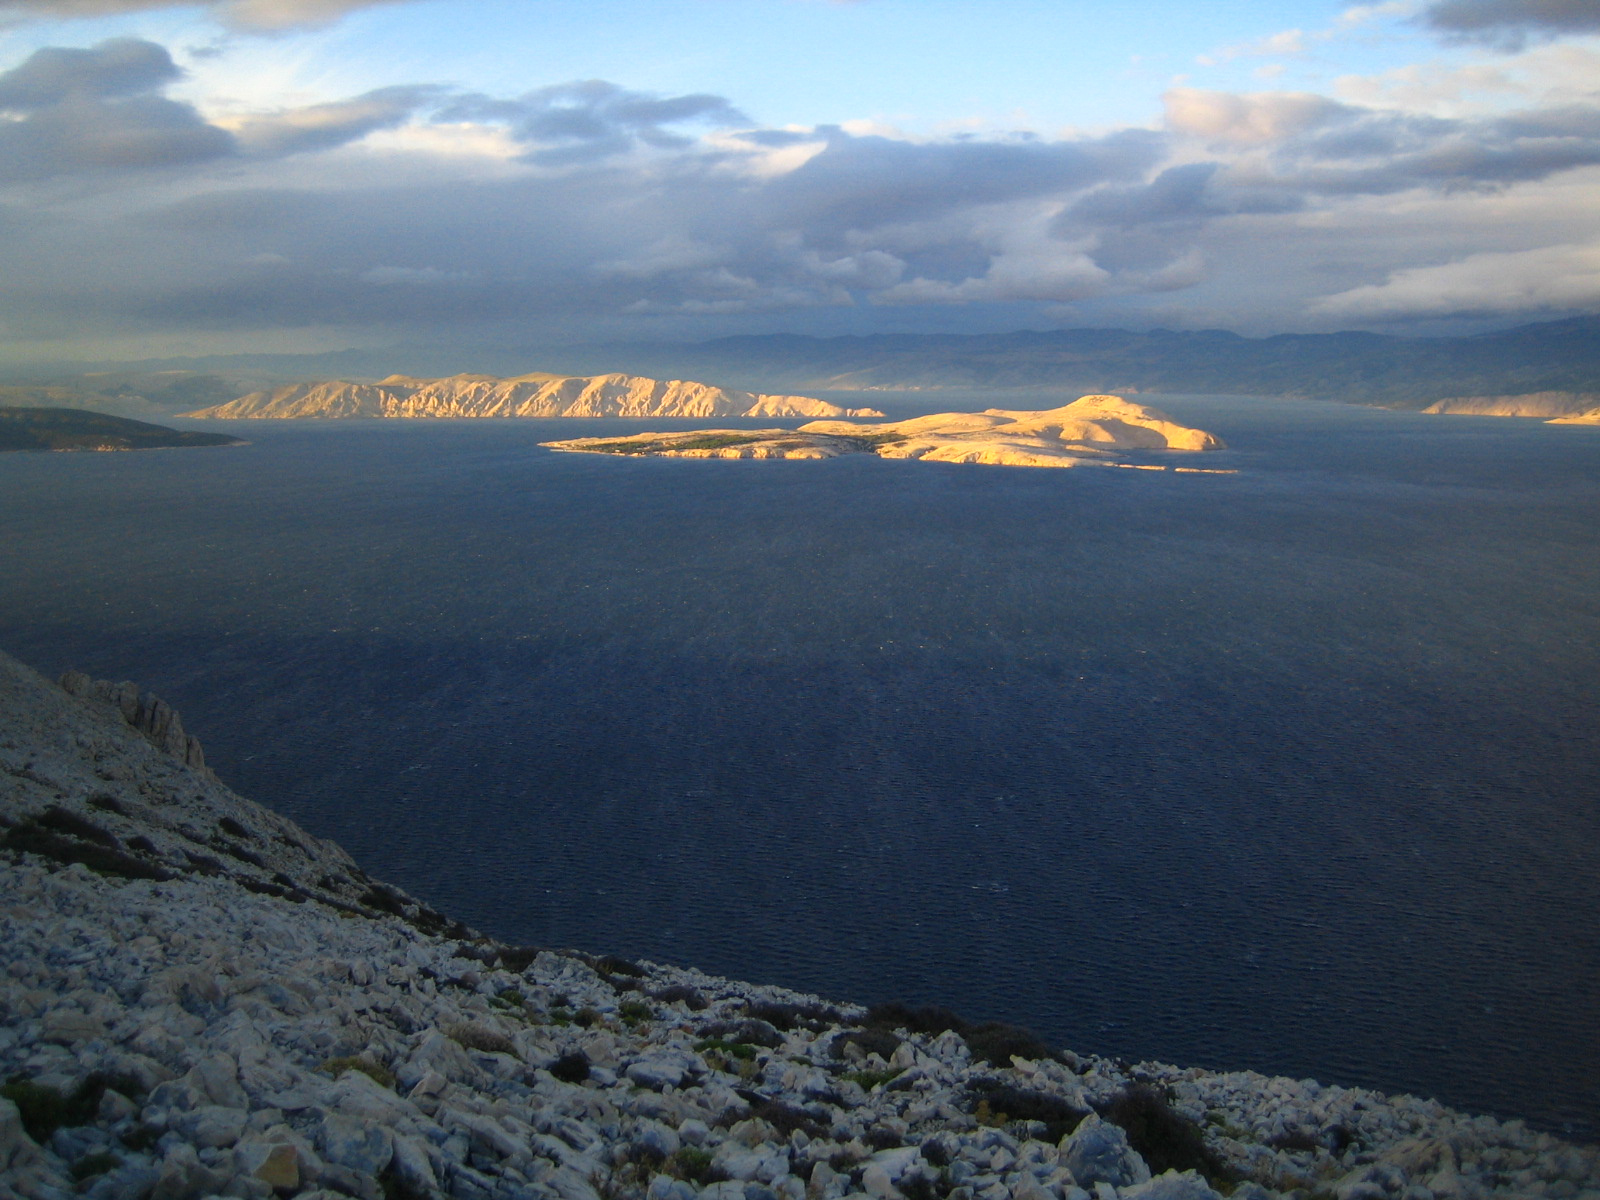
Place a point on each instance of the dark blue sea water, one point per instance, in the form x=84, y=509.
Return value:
x=1296, y=769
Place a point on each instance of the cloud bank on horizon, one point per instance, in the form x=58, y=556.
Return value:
x=201, y=178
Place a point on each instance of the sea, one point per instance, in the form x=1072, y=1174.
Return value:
x=1294, y=770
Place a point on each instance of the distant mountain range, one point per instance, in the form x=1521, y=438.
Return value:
x=1556, y=357
x=74, y=429
x=1364, y=368
x=536, y=395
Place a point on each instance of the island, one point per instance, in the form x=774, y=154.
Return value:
x=534, y=395
x=1091, y=431
x=78, y=429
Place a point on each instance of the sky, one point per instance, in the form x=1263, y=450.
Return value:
x=284, y=176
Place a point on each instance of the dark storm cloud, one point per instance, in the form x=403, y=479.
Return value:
x=118, y=67
x=1186, y=194
x=863, y=183
x=591, y=119
x=1510, y=24
x=1385, y=153
x=80, y=111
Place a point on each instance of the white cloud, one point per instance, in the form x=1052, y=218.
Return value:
x=254, y=15
x=1545, y=75
x=1246, y=119
x=1548, y=279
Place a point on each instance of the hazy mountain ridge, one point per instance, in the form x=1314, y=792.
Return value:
x=532, y=395
x=1366, y=368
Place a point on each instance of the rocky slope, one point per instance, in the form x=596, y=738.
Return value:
x=1091, y=430
x=1564, y=408
x=536, y=395
x=201, y=999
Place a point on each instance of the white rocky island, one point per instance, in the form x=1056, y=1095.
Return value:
x=1091, y=431
x=534, y=395
x=201, y=999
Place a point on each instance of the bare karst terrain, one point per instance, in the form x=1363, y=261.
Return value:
x=534, y=395
x=1092, y=431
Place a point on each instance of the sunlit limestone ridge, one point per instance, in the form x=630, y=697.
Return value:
x=533, y=395
x=1092, y=430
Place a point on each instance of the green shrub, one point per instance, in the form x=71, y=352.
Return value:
x=814, y=1017
x=880, y=1137
x=1165, y=1139
x=680, y=993
x=571, y=1067
x=1022, y=1104
x=692, y=1165
x=45, y=1109
x=480, y=1038
x=633, y=1011
x=35, y=837
x=742, y=1050
x=99, y=1163
x=995, y=1042
x=872, y=1041
x=373, y=1070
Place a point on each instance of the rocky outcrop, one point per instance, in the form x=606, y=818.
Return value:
x=103, y=774
x=536, y=395
x=1092, y=430
x=1590, y=417
x=191, y=1033
x=147, y=713
x=1555, y=407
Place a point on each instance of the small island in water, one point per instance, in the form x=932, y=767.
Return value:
x=1091, y=431
x=78, y=429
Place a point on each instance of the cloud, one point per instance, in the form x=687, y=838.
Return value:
x=1297, y=144
x=1248, y=119
x=1511, y=24
x=592, y=119
x=1548, y=279
x=323, y=126
x=253, y=15
x=595, y=210
x=83, y=111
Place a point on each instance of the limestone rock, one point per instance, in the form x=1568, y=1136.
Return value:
x=534, y=395
x=360, y=1146
x=1171, y=1186
x=277, y=1164
x=1098, y=1152
x=1544, y=405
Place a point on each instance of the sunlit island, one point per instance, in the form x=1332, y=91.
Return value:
x=1091, y=431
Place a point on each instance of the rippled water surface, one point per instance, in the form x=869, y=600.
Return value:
x=1296, y=769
